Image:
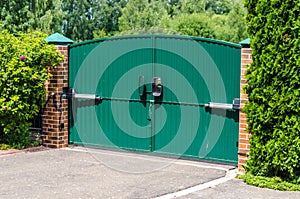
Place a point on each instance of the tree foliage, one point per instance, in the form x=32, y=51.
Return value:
x=78, y=20
x=44, y=15
x=139, y=14
x=232, y=26
x=193, y=25
x=14, y=15
x=188, y=17
x=24, y=62
x=86, y=19
x=106, y=15
x=273, y=111
x=219, y=6
x=236, y=23
x=192, y=6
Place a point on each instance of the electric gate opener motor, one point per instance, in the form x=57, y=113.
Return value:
x=70, y=93
x=235, y=105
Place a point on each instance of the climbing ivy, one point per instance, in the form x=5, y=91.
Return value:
x=273, y=111
x=24, y=62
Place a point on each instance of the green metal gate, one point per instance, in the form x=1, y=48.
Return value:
x=154, y=93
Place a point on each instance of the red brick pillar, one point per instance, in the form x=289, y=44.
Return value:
x=244, y=136
x=55, y=122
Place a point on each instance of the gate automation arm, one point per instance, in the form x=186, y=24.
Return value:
x=235, y=105
x=79, y=100
x=70, y=93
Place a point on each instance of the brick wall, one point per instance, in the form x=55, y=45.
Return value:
x=244, y=145
x=54, y=136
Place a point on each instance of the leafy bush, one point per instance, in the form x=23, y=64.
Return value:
x=273, y=111
x=24, y=62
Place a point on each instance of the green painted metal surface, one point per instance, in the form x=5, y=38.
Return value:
x=59, y=39
x=246, y=41
x=193, y=72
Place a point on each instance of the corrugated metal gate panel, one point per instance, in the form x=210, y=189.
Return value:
x=195, y=80
x=106, y=75
x=193, y=72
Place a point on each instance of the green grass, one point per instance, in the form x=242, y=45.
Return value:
x=275, y=183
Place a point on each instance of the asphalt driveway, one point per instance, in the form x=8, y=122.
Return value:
x=93, y=173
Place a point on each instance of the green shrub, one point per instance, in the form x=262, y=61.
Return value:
x=24, y=62
x=273, y=111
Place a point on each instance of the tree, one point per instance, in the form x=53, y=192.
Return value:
x=192, y=6
x=193, y=25
x=219, y=6
x=273, y=111
x=100, y=33
x=106, y=15
x=78, y=20
x=209, y=6
x=231, y=27
x=200, y=16
x=15, y=15
x=46, y=15
x=84, y=18
x=236, y=22
x=43, y=15
x=219, y=24
x=172, y=7
x=139, y=14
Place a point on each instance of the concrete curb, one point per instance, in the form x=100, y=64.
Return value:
x=230, y=174
x=9, y=152
x=14, y=151
x=35, y=149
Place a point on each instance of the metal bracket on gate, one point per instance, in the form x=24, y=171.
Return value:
x=70, y=93
x=235, y=105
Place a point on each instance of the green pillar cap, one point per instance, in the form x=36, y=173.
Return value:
x=58, y=39
x=245, y=43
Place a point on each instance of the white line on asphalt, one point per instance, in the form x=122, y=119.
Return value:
x=175, y=161
x=229, y=176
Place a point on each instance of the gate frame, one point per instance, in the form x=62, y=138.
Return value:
x=56, y=138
